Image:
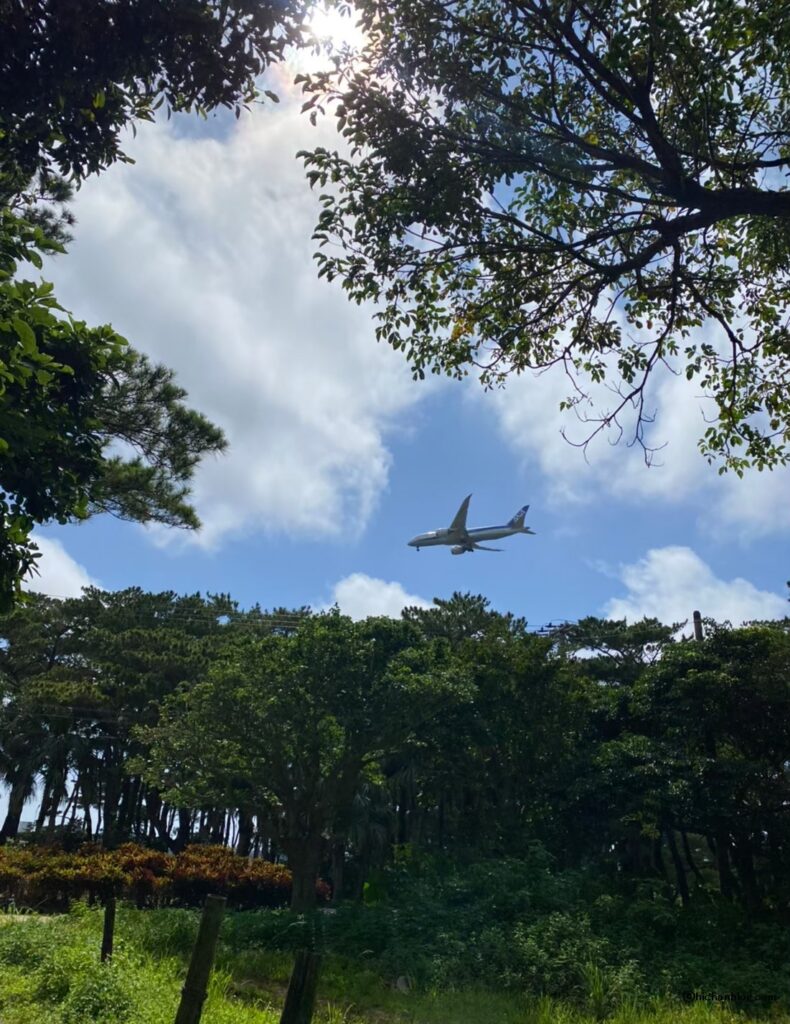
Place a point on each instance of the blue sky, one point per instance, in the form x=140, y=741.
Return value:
x=200, y=254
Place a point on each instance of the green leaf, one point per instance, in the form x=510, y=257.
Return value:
x=26, y=335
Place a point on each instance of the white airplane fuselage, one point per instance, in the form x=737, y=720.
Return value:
x=460, y=539
x=435, y=537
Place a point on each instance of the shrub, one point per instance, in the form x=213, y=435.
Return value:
x=52, y=878
x=552, y=949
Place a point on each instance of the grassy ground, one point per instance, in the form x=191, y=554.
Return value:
x=50, y=974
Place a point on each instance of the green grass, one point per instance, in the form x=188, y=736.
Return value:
x=50, y=974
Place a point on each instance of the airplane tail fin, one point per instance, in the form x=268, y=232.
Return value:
x=517, y=522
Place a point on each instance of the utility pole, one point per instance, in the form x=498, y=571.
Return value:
x=698, y=627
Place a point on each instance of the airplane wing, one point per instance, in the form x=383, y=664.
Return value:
x=458, y=525
x=480, y=547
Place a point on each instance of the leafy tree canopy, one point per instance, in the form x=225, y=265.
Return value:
x=463, y=617
x=74, y=75
x=347, y=745
x=87, y=424
x=597, y=185
x=290, y=725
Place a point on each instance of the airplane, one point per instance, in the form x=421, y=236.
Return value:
x=463, y=540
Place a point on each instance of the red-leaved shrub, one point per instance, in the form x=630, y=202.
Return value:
x=49, y=877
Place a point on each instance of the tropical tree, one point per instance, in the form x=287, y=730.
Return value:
x=176, y=719
x=31, y=638
x=462, y=617
x=78, y=676
x=494, y=773
x=104, y=429
x=598, y=185
x=289, y=727
x=73, y=78
x=605, y=805
x=703, y=751
x=136, y=649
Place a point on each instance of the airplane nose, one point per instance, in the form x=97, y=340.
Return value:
x=413, y=542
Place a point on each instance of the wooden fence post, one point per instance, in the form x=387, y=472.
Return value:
x=109, y=928
x=193, y=993
x=300, y=1000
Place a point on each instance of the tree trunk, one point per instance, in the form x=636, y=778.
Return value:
x=44, y=808
x=216, y=827
x=744, y=865
x=689, y=858
x=124, y=807
x=680, y=870
x=70, y=805
x=362, y=869
x=112, y=796
x=52, y=824
x=139, y=816
x=184, y=832
x=338, y=870
x=658, y=856
x=86, y=810
x=726, y=877
x=245, y=833
x=304, y=859
x=99, y=805
x=402, y=821
x=775, y=859
x=75, y=802
x=156, y=815
x=16, y=804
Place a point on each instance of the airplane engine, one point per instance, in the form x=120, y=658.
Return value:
x=459, y=549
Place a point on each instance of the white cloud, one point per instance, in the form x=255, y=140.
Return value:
x=670, y=583
x=201, y=255
x=359, y=595
x=758, y=505
x=529, y=419
x=58, y=574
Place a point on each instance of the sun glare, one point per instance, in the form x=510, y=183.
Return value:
x=338, y=30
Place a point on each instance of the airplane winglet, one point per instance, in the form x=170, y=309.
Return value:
x=458, y=525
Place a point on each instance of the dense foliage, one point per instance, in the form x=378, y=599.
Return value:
x=456, y=732
x=524, y=925
x=73, y=77
x=600, y=186
x=504, y=944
